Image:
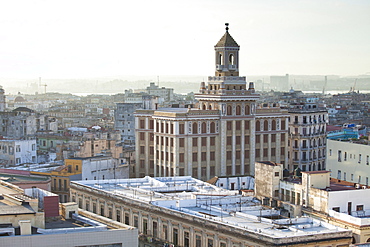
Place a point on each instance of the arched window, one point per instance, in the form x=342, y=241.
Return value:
x=204, y=127
x=210, y=107
x=213, y=127
x=247, y=110
x=195, y=128
x=229, y=110
x=204, y=107
x=231, y=59
x=266, y=125
x=238, y=110
x=258, y=126
x=273, y=125
x=220, y=59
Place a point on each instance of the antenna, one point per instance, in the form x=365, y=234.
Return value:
x=158, y=80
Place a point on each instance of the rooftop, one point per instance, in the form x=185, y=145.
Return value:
x=195, y=198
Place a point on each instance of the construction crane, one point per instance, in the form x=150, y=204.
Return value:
x=325, y=83
x=352, y=89
x=42, y=85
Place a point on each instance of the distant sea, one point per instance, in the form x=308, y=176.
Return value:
x=314, y=91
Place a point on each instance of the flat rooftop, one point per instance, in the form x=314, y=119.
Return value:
x=200, y=199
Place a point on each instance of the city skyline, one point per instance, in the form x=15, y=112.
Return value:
x=88, y=39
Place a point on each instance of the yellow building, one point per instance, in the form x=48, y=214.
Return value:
x=61, y=177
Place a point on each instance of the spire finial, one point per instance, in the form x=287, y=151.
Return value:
x=227, y=27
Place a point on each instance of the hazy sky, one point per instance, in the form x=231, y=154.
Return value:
x=77, y=38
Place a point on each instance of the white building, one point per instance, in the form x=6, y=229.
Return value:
x=316, y=194
x=103, y=167
x=184, y=211
x=16, y=152
x=349, y=161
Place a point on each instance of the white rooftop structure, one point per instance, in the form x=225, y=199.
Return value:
x=202, y=200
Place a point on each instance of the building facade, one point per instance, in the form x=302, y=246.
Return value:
x=16, y=152
x=183, y=211
x=349, y=161
x=124, y=121
x=316, y=194
x=224, y=135
x=307, y=137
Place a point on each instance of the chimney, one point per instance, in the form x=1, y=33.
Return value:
x=25, y=227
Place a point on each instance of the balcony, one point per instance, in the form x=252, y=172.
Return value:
x=232, y=67
x=219, y=67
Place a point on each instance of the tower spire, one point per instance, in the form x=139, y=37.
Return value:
x=227, y=26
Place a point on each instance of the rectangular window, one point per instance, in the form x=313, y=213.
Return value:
x=339, y=156
x=181, y=157
x=165, y=232
x=237, y=125
x=195, y=157
x=229, y=140
x=213, y=141
x=198, y=241
x=237, y=140
x=212, y=155
x=258, y=139
x=229, y=125
x=181, y=142
x=118, y=215
x=228, y=155
x=195, y=142
x=204, y=141
x=182, y=129
x=204, y=156
x=142, y=124
x=175, y=237
x=273, y=137
x=246, y=125
x=186, y=239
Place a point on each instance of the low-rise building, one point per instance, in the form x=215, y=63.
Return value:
x=16, y=152
x=349, y=160
x=315, y=194
x=31, y=218
x=184, y=211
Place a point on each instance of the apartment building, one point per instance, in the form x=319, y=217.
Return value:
x=307, y=136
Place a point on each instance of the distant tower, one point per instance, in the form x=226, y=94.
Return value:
x=2, y=99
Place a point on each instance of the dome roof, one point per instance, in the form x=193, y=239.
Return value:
x=19, y=99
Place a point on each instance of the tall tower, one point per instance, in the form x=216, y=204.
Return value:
x=228, y=93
